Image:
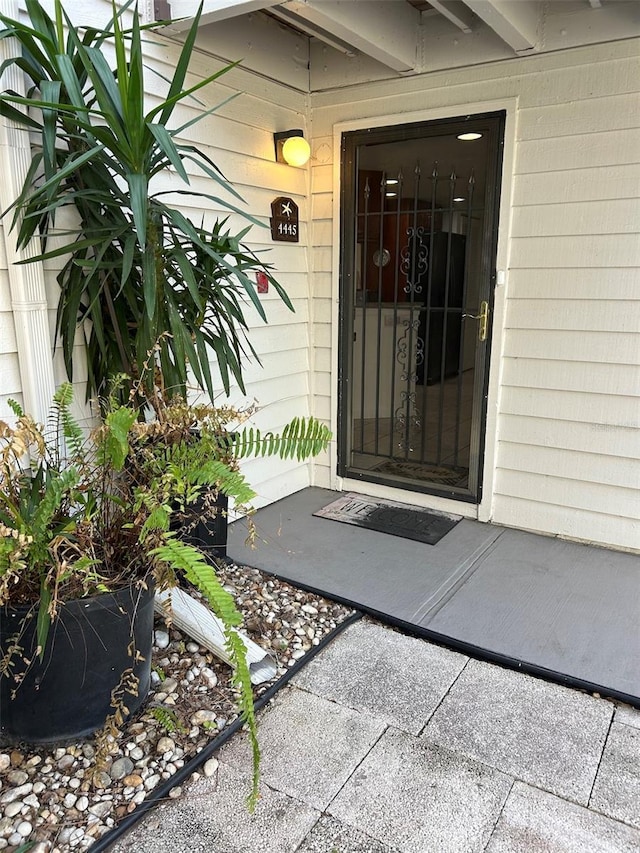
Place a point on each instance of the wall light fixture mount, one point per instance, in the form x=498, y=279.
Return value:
x=291, y=147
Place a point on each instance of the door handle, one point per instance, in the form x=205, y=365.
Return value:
x=483, y=316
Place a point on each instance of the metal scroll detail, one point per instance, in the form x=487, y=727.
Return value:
x=414, y=258
x=409, y=354
x=406, y=420
x=406, y=342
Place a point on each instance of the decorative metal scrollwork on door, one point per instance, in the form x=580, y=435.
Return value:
x=409, y=354
x=406, y=420
x=414, y=259
x=410, y=340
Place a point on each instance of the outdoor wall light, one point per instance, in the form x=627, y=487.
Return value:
x=291, y=147
x=469, y=137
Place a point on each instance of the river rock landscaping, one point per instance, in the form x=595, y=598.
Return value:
x=64, y=798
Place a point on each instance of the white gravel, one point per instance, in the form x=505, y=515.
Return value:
x=62, y=801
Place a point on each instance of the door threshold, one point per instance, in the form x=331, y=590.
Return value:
x=427, y=501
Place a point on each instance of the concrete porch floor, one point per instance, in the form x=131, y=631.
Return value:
x=562, y=610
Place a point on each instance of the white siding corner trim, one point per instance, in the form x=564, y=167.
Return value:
x=26, y=282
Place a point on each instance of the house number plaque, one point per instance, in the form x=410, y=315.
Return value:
x=284, y=220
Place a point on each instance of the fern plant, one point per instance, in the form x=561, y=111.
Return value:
x=50, y=494
x=79, y=516
x=174, y=461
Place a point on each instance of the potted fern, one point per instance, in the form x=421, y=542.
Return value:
x=86, y=539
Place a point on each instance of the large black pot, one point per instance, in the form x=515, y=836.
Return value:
x=203, y=531
x=89, y=649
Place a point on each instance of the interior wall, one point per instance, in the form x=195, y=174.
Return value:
x=563, y=409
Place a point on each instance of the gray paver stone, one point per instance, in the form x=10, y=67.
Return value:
x=331, y=836
x=212, y=815
x=421, y=798
x=617, y=789
x=310, y=746
x=544, y=734
x=534, y=821
x=628, y=715
x=372, y=669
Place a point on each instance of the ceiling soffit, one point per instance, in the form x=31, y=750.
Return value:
x=356, y=40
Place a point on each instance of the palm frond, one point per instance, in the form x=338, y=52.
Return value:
x=135, y=264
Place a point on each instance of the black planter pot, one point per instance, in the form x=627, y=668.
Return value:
x=69, y=694
x=197, y=526
x=208, y=534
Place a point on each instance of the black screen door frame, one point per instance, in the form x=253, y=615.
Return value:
x=494, y=124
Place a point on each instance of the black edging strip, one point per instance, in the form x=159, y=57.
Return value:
x=470, y=649
x=506, y=661
x=161, y=792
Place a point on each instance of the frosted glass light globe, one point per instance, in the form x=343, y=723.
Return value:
x=296, y=151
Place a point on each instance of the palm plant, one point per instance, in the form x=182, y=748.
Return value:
x=138, y=274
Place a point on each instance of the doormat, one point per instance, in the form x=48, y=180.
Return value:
x=424, y=472
x=396, y=519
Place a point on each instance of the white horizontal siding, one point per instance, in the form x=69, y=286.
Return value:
x=575, y=284
x=586, y=151
x=611, y=216
x=613, y=112
x=577, y=185
x=573, y=523
x=583, y=376
x=567, y=406
x=601, y=250
x=239, y=138
x=10, y=382
x=577, y=407
x=547, y=430
x=290, y=478
x=571, y=345
x=567, y=464
x=7, y=333
x=569, y=493
x=10, y=372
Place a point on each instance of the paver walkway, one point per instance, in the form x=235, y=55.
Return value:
x=389, y=744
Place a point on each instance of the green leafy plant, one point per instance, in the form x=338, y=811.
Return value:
x=100, y=517
x=138, y=273
x=168, y=719
x=159, y=672
x=51, y=525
